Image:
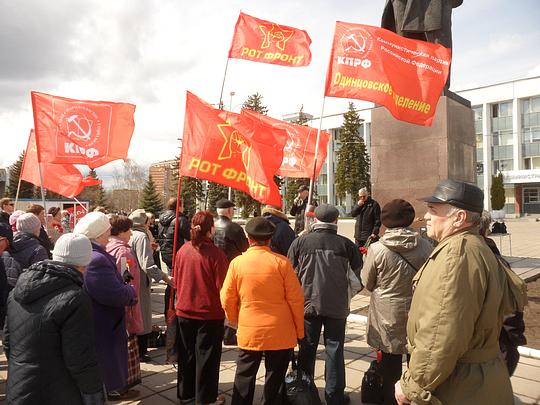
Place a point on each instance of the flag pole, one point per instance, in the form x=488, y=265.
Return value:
x=42, y=193
x=312, y=179
x=178, y=200
x=18, y=189
x=80, y=203
x=223, y=85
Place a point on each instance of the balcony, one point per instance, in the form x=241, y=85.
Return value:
x=531, y=149
x=502, y=152
x=501, y=123
x=479, y=154
x=478, y=126
x=530, y=119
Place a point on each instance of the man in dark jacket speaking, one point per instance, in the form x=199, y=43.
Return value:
x=49, y=336
x=368, y=218
x=229, y=236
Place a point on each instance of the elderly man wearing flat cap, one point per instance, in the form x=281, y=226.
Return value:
x=460, y=298
x=262, y=295
x=322, y=260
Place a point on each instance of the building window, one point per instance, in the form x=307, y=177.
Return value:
x=531, y=195
x=503, y=165
x=478, y=113
x=502, y=138
x=531, y=163
x=530, y=105
x=502, y=109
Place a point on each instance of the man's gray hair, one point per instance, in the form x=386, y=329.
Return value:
x=485, y=222
x=472, y=217
x=363, y=190
x=222, y=211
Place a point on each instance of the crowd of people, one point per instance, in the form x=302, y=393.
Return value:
x=78, y=317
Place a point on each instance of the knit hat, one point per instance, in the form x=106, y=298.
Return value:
x=13, y=217
x=397, y=214
x=93, y=225
x=138, y=217
x=74, y=249
x=28, y=222
x=326, y=213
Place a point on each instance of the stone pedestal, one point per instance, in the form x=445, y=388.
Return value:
x=407, y=160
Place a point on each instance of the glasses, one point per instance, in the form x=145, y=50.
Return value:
x=12, y=204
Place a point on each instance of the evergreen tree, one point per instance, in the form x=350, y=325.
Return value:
x=352, y=172
x=244, y=200
x=215, y=192
x=150, y=199
x=498, y=197
x=27, y=189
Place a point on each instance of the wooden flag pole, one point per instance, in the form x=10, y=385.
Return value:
x=312, y=179
x=221, y=104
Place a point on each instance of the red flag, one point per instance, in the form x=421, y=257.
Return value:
x=407, y=76
x=267, y=42
x=66, y=180
x=299, y=150
x=81, y=132
x=230, y=149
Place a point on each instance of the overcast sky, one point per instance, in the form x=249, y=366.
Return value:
x=149, y=52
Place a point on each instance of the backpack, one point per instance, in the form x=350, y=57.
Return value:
x=499, y=227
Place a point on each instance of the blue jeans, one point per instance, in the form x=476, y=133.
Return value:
x=334, y=341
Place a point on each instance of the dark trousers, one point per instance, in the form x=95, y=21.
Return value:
x=199, y=355
x=334, y=367
x=247, y=365
x=142, y=341
x=359, y=243
x=390, y=369
x=167, y=301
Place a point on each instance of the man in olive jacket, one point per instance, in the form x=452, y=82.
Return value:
x=460, y=298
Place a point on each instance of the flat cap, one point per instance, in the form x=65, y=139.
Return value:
x=459, y=194
x=260, y=228
x=303, y=187
x=326, y=213
x=224, y=203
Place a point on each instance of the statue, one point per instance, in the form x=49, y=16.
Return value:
x=427, y=20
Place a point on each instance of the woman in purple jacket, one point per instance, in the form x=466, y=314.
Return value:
x=110, y=294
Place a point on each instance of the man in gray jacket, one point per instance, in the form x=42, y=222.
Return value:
x=322, y=259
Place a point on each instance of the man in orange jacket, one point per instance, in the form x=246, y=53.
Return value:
x=262, y=291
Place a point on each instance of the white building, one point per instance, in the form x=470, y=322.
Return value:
x=507, y=122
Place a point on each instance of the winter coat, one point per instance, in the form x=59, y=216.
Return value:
x=298, y=210
x=322, y=259
x=45, y=241
x=27, y=249
x=199, y=275
x=389, y=278
x=49, y=339
x=418, y=15
x=126, y=260
x=460, y=298
x=4, y=218
x=284, y=235
x=230, y=237
x=12, y=269
x=4, y=291
x=166, y=229
x=109, y=296
x=368, y=220
x=263, y=296
x=140, y=246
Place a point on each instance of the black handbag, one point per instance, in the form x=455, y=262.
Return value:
x=372, y=392
x=300, y=388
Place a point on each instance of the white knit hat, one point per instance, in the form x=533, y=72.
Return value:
x=138, y=217
x=74, y=249
x=93, y=225
x=29, y=223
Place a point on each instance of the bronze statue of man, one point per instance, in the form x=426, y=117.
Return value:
x=428, y=20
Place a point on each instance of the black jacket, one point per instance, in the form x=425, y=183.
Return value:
x=368, y=219
x=45, y=241
x=322, y=259
x=27, y=249
x=284, y=235
x=230, y=237
x=4, y=290
x=4, y=218
x=49, y=339
x=166, y=234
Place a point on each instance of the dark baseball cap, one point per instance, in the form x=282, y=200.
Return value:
x=303, y=188
x=459, y=194
x=260, y=228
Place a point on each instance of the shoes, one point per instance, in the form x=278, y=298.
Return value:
x=122, y=395
x=220, y=400
x=346, y=399
x=144, y=358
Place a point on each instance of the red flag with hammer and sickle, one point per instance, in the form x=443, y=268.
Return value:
x=63, y=179
x=267, y=42
x=81, y=132
x=231, y=149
